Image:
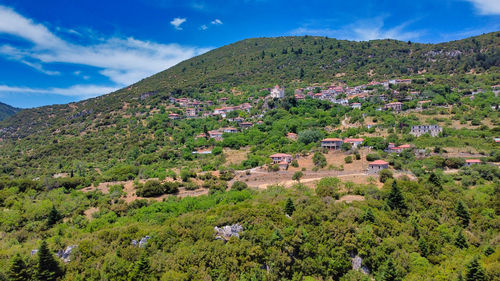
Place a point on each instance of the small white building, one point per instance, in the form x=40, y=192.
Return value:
x=470, y=162
x=281, y=157
x=354, y=142
x=356, y=105
x=277, y=92
x=432, y=130
x=377, y=165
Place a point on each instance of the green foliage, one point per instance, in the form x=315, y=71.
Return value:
x=319, y=160
x=18, y=269
x=309, y=136
x=297, y=176
x=239, y=185
x=474, y=271
x=384, y=175
x=462, y=213
x=389, y=272
x=461, y=241
x=395, y=199
x=53, y=217
x=289, y=207
x=328, y=186
x=48, y=268
x=348, y=159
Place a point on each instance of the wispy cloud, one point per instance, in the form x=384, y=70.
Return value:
x=363, y=30
x=486, y=7
x=177, y=23
x=80, y=91
x=204, y=27
x=216, y=21
x=123, y=60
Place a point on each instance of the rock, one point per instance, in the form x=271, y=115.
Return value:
x=357, y=264
x=142, y=243
x=65, y=254
x=34, y=252
x=228, y=231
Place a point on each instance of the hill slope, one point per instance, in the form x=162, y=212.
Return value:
x=264, y=61
x=7, y=110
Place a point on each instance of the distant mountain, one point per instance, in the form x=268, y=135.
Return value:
x=7, y=110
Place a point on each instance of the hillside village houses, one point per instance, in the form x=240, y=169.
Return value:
x=432, y=130
x=354, y=142
x=331, y=143
x=377, y=165
x=282, y=159
x=277, y=92
x=470, y=162
x=396, y=106
x=391, y=148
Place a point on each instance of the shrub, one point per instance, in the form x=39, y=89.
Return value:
x=328, y=187
x=309, y=136
x=319, y=160
x=297, y=176
x=384, y=175
x=151, y=188
x=239, y=185
x=190, y=185
x=348, y=159
x=273, y=168
x=226, y=174
x=294, y=163
x=372, y=157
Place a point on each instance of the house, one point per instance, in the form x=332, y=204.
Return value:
x=356, y=105
x=246, y=106
x=396, y=106
x=331, y=143
x=292, y=136
x=432, y=130
x=246, y=125
x=283, y=165
x=354, y=142
x=470, y=162
x=215, y=134
x=229, y=130
x=281, y=157
x=299, y=96
x=203, y=151
x=238, y=120
x=191, y=112
x=377, y=165
x=277, y=92
x=398, y=149
x=174, y=116
x=202, y=135
x=260, y=122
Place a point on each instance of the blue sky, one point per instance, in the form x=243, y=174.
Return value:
x=59, y=51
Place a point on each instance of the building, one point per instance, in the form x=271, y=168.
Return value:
x=470, y=162
x=191, y=112
x=377, y=165
x=246, y=125
x=354, y=142
x=203, y=151
x=277, y=92
x=215, y=134
x=174, y=116
x=432, y=130
x=331, y=143
x=396, y=106
x=281, y=157
x=397, y=149
x=230, y=130
x=299, y=96
x=356, y=105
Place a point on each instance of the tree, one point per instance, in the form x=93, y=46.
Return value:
x=389, y=273
x=474, y=271
x=54, y=216
x=319, y=159
x=297, y=176
x=328, y=187
x=141, y=269
x=289, y=207
x=348, y=159
x=48, y=268
x=368, y=215
x=395, y=200
x=435, y=180
x=18, y=269
x=462, y=213
x=461, y=241
x=309, y=136
x=384, y=175
x=239, y=185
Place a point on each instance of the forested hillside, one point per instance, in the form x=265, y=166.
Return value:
x=7, y=110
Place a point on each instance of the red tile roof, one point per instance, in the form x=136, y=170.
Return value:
x=331, y=139
x=280, y=155
x=472, y=161
x=379, y=162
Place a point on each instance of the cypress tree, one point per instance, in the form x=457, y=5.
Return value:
x=289, y=207
x=395, y=200
x=462, y=213
x=461, y=241
x=48, y=268
x=54, y=216
x=18, y=269
x=474, y=271
x=390, y=272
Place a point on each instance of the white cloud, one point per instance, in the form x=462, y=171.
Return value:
x=204, y=27
x=123, y=60
x=363, y=30
x=216, y=21
x=177, y=23
x=80, y=91
x=486, y=7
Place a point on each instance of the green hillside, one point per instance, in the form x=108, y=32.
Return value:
x=7, y=110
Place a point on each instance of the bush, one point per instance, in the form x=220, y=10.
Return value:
x=294, y=163
x=190, y=185
x=319, y=160
x=239, y=185
x=186, y=174
x=309, y=136
x=151, y=188
x=297, y=176
x=273, y=168
x=171, y=187
x=226, y=174
x=328, y=187
x=384, y=175
x=348, y=159
x=372, y=157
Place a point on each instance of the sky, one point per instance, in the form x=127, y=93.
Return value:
x=60, y=51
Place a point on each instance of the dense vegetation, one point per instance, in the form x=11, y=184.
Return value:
x=429, y=216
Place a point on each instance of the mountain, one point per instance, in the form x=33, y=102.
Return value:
x=7, y=110
x=283, y=60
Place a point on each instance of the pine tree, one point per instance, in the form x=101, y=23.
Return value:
x=368, y=215
x=141, y=269
x=395, y=200
x=54, y=216
x=423, y=245
x=474, y=271
x=462, y=213
x=18, y=269
x=289, y=207
x=48, y=268
x=461, y=241
x=390, y=272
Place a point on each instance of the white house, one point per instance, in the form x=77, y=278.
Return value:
x=277, y=92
